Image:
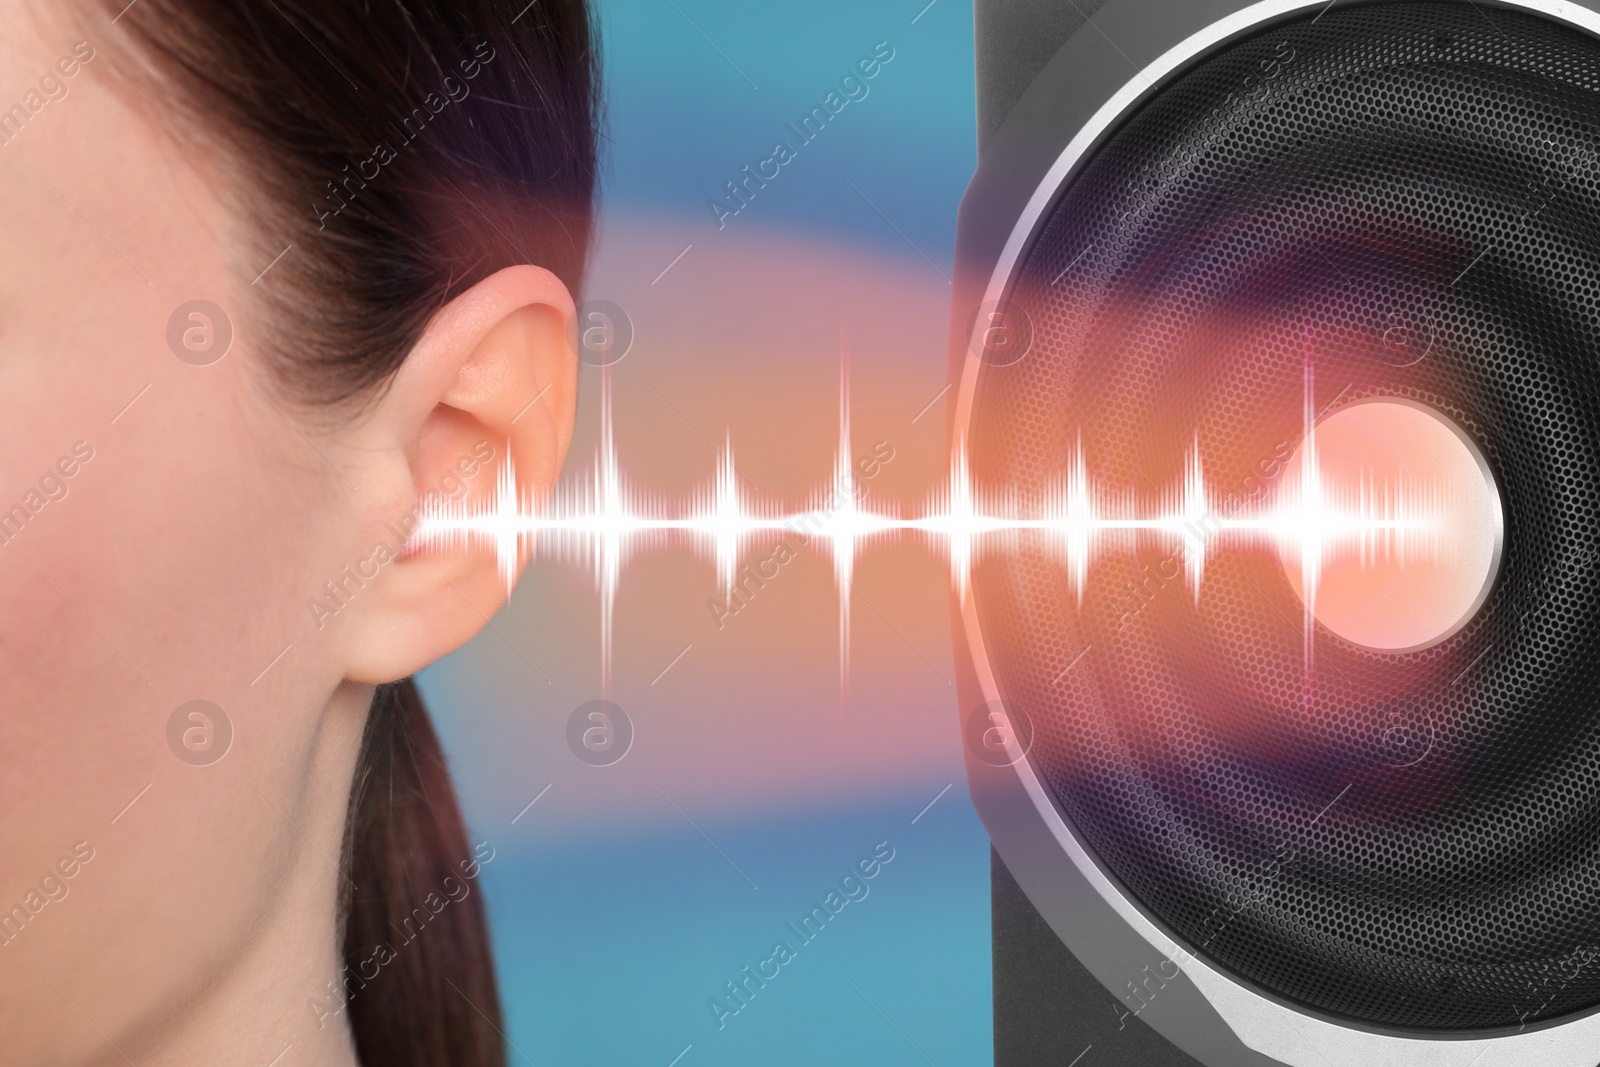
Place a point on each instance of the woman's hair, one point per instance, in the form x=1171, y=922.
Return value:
x=382, y=156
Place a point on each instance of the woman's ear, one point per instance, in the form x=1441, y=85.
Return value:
x=493, y=378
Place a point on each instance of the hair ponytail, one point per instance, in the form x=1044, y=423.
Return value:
x=419, y=973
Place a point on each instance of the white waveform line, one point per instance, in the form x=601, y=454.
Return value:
x=843, y=546
x=1311, y=508
x=611, y=543
x=1195, y=509
x=601, y=521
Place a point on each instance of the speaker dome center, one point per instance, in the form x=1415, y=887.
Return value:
x=1394, y=525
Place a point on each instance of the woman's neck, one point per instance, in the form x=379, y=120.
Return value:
x=276, y=1002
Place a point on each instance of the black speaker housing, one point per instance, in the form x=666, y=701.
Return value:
x=1055, y=80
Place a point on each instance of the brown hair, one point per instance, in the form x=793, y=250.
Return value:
x=393, y=153
x=399, y=150
x=431, y=998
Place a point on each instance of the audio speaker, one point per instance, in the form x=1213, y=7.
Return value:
x=1276, y=335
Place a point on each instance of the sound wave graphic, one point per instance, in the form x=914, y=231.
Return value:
x=602, y=521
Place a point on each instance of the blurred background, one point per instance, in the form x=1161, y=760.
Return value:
x=624, y=897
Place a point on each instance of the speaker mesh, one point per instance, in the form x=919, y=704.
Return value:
x=1402, y=196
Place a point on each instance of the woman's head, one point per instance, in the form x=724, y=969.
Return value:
x=270, y=273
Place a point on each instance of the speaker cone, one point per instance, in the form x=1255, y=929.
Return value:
x=1393, y=203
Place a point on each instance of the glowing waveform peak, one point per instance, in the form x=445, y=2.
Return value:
x=601, y=521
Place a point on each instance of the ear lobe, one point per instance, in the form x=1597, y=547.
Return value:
x=493, y=378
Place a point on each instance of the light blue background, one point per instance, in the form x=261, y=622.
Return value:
x=609, y=948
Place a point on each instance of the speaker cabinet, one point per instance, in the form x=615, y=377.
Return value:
x=1275, y=328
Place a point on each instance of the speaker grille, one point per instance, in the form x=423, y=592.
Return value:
x=1404, y=197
